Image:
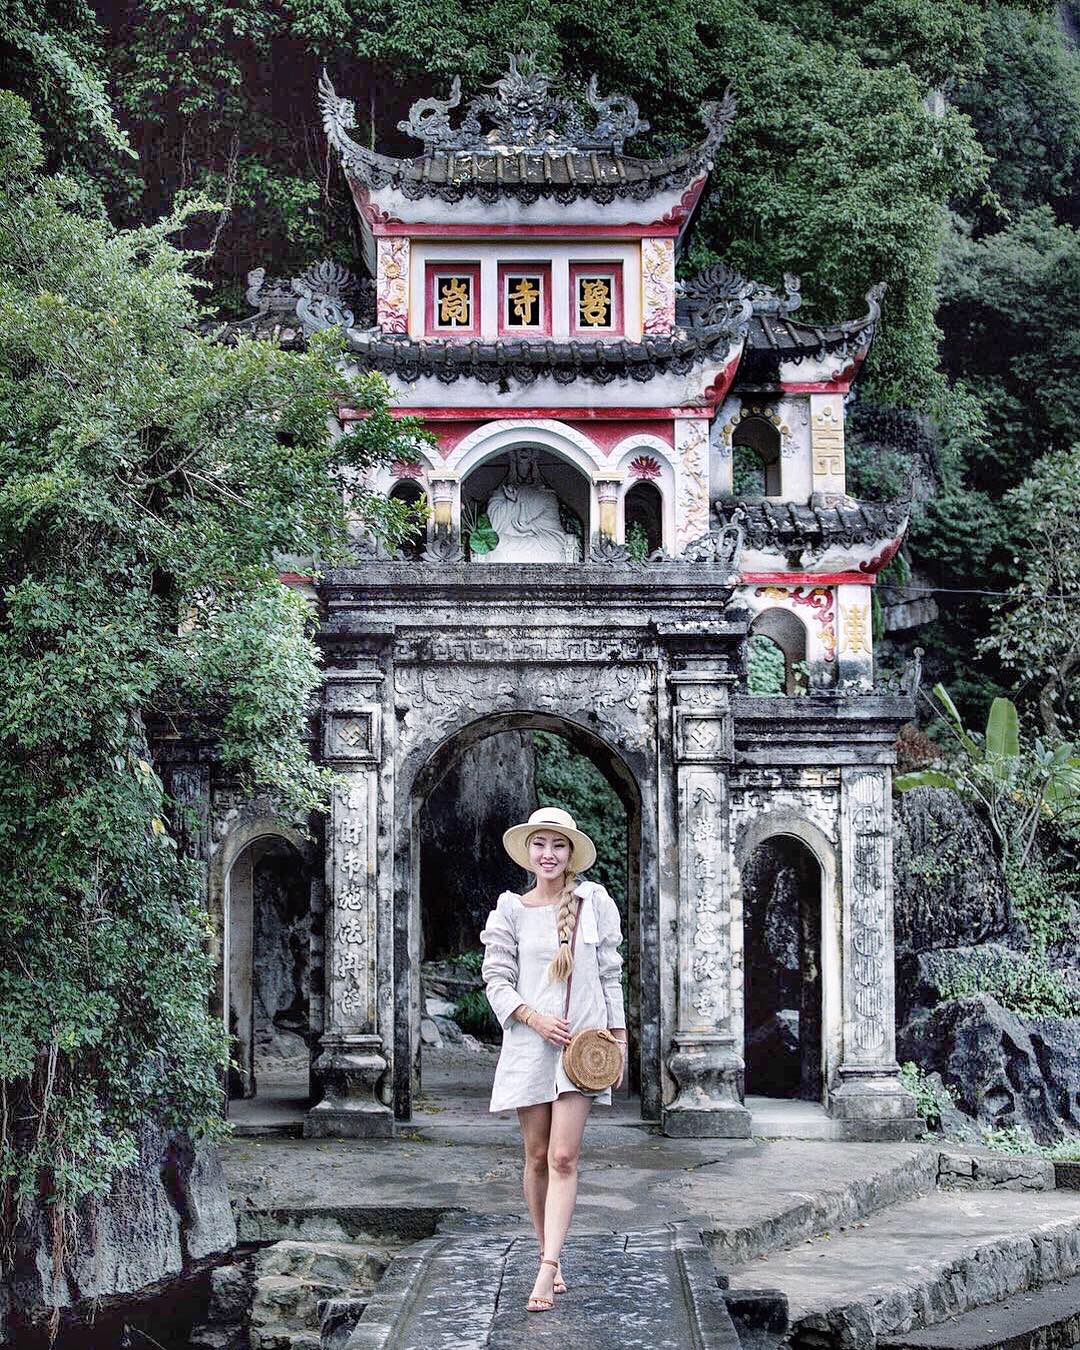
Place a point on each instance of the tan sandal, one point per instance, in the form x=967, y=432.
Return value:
x=537, y=1302
x=559, y=1287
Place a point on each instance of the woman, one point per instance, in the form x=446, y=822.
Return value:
x=529, y=952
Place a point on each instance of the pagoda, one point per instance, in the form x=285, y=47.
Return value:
x=635, y=479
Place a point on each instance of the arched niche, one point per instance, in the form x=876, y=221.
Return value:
x=756, y=458
x=568, y=513
x=787, y=634
x=643, y=507
x=409, y=491
x=790, y=963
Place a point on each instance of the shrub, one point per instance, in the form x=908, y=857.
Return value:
x=1022, y=983
x=932, y=1096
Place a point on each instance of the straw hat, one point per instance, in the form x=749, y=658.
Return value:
x=516, y=838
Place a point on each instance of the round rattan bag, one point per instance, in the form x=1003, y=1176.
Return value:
x=593, y=1059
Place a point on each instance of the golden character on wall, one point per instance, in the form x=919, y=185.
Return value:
x=454, y=300
x=595, y=302
x=524, y=297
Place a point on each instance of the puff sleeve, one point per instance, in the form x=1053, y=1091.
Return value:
x=500, y=969
x=608, y=959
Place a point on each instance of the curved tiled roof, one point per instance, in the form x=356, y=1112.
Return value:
x=795, y=526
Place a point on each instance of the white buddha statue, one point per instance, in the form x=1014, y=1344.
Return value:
x=525, y=515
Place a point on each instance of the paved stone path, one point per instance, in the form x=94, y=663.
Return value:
x=652, y=1290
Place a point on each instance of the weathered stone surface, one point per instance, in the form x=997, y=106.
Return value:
x=165, y=1215
x=1006, y=1070
x=653, y=1289
x=949, y=891
x=991, y=1171
x=282, y=948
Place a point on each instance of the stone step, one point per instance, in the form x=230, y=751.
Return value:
x=1047, y=1319
x=919, y=1263
x=652, y=1290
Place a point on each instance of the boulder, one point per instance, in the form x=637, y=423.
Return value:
x=948, y=887
x=1005, y=1070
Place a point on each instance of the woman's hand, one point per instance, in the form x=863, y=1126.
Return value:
x=622, y=1072
x=555, y=1030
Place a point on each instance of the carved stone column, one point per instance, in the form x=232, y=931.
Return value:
x=607, y=498
x=704, y=1062
x=444, y=490
x=352, y=1060
x=869, y=1099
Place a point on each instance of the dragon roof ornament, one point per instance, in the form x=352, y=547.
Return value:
x=527, y=117
x=531, y=123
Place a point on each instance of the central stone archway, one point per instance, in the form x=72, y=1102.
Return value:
x=643, y=1005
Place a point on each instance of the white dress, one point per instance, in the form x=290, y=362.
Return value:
x=519, y=942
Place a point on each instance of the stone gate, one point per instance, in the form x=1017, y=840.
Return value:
x=638, y=491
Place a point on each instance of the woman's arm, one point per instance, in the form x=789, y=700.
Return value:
x=609, y=961
x=500, y=969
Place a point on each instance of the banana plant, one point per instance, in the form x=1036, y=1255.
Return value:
x=1021, y=788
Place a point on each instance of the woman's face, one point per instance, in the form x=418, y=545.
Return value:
x=549, y=854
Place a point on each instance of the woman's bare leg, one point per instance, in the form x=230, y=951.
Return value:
x=535, y=1124
x=569, y=1113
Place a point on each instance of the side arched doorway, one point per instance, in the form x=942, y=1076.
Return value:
x=266, y=977
x=442, y=904
x=790, y=965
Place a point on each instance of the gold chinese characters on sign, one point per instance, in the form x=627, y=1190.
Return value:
x=523, y=309
x=455, y=302
x=594, y=302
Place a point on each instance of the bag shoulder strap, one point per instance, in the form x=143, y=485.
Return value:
x=573, y=945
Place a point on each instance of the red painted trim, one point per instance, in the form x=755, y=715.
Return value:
x=499, y=414
x=686, y=204
x=612, y=268
x=435, y=269
x=815, y=386
x=418, y=230
x=718, y=390
x=807, y=578
x=542, y=270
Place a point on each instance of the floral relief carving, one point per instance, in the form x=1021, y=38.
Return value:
x=392, y=285
x=819, y=599
x=657, y=285
x=692, y=513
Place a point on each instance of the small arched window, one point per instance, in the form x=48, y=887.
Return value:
x=756, y=458
x=643, y=519
x=410, y=492
x=776, y=654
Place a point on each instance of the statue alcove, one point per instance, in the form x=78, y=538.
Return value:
x=537, y=503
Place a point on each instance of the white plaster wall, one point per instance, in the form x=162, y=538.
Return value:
x=621, y=458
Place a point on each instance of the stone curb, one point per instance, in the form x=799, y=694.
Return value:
x=734, y=1247
x=983, y=1275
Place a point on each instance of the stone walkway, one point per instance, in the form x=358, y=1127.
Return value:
x=635, y=1291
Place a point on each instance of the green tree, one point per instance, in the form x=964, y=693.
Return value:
x=1035, y=633
x=149, y=477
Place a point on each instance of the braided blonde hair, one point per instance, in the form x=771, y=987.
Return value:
x=562, y=963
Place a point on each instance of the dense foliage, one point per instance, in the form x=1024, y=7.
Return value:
x=148, y=479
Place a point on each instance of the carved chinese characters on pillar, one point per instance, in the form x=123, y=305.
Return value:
x=352, y=953
x=692, y=508
x=392, y=285
x=657, y=285
x=710, y=920
x=868, y=939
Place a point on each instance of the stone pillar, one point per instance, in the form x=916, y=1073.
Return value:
x=869, y=1101
x=444, y=488
x=855, y=655
x=353, y=1058
x=704, y=1061
x=607, y=499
